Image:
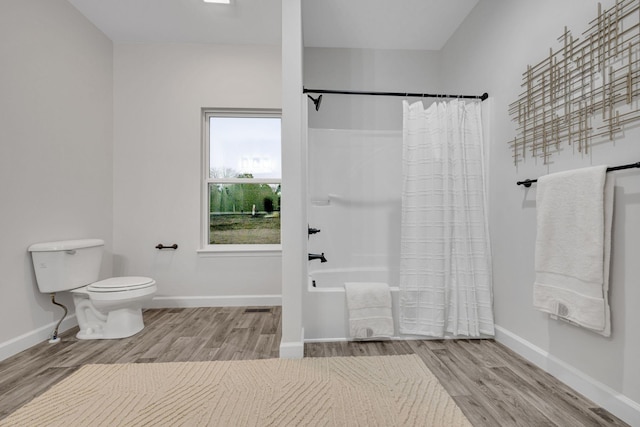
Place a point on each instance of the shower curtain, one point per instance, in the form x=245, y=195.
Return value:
x=445, y=256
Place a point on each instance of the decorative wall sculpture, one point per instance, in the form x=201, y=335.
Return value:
x=585, y=92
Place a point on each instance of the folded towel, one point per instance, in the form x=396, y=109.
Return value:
x=369, y=307
x=573, y=243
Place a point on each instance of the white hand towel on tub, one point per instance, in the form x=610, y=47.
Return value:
x=573, y=243
x=369, y=307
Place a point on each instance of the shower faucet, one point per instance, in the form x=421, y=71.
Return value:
x=312, y=230
x=316, y=256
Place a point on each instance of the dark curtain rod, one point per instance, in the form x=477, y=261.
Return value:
x=527, y=182
x=403, y=94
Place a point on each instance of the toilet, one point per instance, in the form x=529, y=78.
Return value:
x=105, y=309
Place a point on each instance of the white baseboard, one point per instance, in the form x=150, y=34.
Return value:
x=24, y=341
x=398, y=338
x=601, y=394
x=292, y=350
x=341, y=339
x=216, y=301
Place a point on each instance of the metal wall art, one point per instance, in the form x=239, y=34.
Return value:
x=585, y=92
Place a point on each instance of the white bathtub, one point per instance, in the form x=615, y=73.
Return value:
x=325, y=316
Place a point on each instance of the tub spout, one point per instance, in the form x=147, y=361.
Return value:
x=316, y=256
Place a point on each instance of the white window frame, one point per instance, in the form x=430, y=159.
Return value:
x=230, y=249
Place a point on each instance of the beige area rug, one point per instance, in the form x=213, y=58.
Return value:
x=341, y=391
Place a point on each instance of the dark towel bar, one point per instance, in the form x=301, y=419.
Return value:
x=527, y=182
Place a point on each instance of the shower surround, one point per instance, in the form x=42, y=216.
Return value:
x=355, y=184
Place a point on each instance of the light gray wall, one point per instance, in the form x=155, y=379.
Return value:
x=159, y=92
x=367, y=70
x=56, y=117
x=489, y=52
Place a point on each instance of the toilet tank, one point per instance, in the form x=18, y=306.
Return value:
x=68, y=264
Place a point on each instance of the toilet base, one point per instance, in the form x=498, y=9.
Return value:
x=121, y=323
x=110, y=315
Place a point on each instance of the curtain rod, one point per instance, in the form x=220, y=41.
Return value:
x=527, y=182
x=403, y=94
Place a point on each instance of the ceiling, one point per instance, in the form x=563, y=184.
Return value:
x=376, y=24
x=185, y=21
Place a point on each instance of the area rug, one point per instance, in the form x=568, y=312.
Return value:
x=340, y=391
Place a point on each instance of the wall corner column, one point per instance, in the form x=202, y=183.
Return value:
x=294, y=184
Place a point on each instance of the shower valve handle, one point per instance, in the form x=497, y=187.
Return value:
x=313, y=230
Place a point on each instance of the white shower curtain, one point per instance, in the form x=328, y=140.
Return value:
x=445, y=261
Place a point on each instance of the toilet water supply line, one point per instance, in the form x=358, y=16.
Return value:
x=54, y=337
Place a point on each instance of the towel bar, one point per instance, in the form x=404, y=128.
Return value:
x=527, y=182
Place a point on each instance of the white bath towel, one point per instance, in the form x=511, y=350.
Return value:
x=573, y=243
x=369, y=307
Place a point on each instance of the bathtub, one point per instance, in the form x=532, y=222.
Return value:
x=325, y=316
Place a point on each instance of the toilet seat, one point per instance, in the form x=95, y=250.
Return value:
x=121, y=284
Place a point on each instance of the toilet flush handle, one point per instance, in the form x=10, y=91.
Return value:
x=70, y=252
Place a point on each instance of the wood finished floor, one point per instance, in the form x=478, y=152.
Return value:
x=492, y=385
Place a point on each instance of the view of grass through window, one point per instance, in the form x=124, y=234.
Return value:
x=244, y=180
x=244, y=214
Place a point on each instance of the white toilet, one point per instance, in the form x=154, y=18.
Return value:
x=105, y=309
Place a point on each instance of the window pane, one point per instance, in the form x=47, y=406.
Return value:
x=246, y=147
x=244, y=214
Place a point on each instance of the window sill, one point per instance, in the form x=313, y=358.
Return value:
x=241, y=251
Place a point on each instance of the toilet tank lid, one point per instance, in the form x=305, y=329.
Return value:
x=65, y=245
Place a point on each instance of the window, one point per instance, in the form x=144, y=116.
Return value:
x=242, y=179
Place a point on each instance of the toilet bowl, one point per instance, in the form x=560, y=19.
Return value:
x=105, y=309
x=112, y=308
